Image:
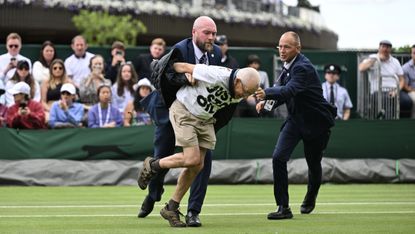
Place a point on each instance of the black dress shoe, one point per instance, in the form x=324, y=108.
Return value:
x=307, y=207
x=281, y=213
x=192, y=219
x=146, y=207
x=308, y=204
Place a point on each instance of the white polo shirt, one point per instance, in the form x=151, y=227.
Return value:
x=210, y=93
x=78, y=68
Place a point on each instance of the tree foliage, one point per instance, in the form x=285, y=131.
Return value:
x=101, y=28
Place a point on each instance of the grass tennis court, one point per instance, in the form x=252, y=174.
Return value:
x=363, y=208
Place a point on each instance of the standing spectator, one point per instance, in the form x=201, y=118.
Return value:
x=66, y=113
x=199, y=49
x=122, y=90
x=409, y=87
x=41, y=67
x=254, y=61
x=89, y=85
x=25, y=113
x=390, y=71
x=77, y=64
x=3, y=108
x=51, y=87
x=8, y=61
x=103, y=114
x=310, y=119
x=227, y=60
x=22, y=74
x=142, y=63
x=117, y=58
x=334, y=93
x=134, y=113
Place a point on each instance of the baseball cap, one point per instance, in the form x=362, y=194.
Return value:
x=221, y=40
x=332, y=68
x=20, y=87
x=68, y=87
x=143, y=82
x=385, y=42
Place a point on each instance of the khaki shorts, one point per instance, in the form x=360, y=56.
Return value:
x=190, y=130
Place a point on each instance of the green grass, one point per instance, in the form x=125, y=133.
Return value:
x=365, y=208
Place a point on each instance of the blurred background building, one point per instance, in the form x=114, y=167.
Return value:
x=251, y=23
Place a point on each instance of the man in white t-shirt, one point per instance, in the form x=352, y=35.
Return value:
x=390, y=68
x=77, y=65
x=191, y=115
x=8, y=61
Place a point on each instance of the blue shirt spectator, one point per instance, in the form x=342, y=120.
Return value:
x=103, y=114
x=66, y=113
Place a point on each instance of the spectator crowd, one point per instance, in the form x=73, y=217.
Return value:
x=84, y=90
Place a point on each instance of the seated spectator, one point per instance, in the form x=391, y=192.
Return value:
x=113, y=64
x=334, y=93
x=66, y=113
x=255, y=62
x=22, y=74
x=143, y=61
x=89, y=85
x=227, y=60
x=122, y=90
x=25, y=113
x=103, y=114
x=409, y=87
x=3, y=108
x=51, y=87
x=8, y=61
x=41, y=67
x=134, y=114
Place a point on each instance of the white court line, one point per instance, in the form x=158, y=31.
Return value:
x=208, y=214
x=209, y=205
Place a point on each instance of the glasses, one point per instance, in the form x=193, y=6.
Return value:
x=65, y=93
x=13, y=46
x=23, y=68
x=57, y=68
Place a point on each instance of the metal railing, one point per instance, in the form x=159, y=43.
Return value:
x=377, y=96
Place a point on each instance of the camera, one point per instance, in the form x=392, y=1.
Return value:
x=23, y=105
x=119, y=52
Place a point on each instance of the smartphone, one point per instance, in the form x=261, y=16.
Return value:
x=23, y=105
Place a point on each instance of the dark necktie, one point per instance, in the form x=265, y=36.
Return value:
x=331, y=95
x=281, y=78
x=202, y=59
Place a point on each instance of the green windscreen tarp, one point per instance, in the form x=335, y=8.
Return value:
x=241, y=139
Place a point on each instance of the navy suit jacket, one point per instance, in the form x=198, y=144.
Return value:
x=301, y=90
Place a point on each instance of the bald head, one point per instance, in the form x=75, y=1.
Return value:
x=249, y=78
x=203, y=21
x=204, y=33
x=289, y=46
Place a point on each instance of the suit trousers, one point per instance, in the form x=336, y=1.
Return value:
x=164, y=145
x=314, y=146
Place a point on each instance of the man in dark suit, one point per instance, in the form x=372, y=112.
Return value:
x=198, y=49
x=143, y=61
x=310, y=118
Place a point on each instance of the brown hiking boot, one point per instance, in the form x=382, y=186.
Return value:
x=173, y=216
x=145, y=175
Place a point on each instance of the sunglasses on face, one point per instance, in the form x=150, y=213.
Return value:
x=13, y=46
x=57, y=68
x=65, y=93
x=23, y=68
